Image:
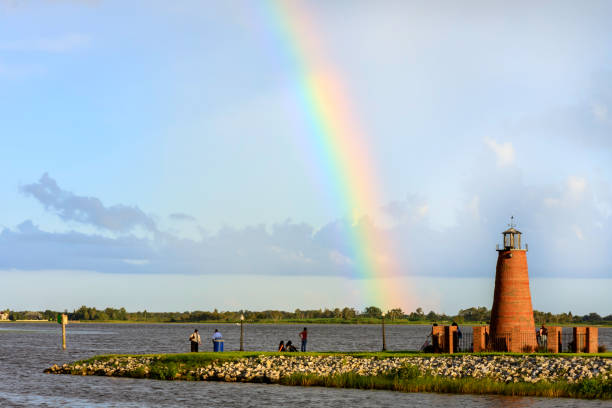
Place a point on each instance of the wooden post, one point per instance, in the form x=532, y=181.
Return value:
x=384, y=348
x=64, y=322
x=241, y=332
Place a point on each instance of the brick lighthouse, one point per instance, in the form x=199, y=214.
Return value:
x=512, y=324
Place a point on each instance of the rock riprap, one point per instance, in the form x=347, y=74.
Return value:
x=271, y=368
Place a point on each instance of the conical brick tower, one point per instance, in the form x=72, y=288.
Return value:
x=512, y=324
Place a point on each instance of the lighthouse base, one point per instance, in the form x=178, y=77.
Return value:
x=515, y=341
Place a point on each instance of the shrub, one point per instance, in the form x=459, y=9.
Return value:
x=594, y=388
x=138, y=373
x=407, y=372
x=165, y=371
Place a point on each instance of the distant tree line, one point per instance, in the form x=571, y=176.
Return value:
x=347, y=314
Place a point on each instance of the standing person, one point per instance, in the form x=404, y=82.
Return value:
x=304, y=338
x=544, y=337
x=195, y=341
x=217, y=337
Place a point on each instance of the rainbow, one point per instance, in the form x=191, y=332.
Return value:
x=339, y=145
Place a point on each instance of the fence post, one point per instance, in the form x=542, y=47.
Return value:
x=449, y=343
x=437, y=338
x=480, y=341
x=592, y=339
x=241, y=332
x=384, y=346
x=64, y=322
x=554, y=339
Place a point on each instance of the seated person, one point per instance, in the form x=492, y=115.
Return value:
x=290, y=347
x=281, y=346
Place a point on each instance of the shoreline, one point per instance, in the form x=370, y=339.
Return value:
x=547, y=375
x=214, y=322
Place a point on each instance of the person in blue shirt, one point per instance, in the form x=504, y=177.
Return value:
x=217, y=335
x=217, y=338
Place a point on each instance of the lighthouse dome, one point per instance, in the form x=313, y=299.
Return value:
x=512, y=239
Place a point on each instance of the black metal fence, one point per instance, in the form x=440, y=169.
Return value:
x=465, y=343
x=570, y=345
x=461, y=343
x=505, y=341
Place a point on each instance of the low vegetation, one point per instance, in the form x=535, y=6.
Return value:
x=346, y=315
x=409, y=380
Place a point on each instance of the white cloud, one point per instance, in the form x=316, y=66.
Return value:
x=504, y=151
x=87, y=210
x=563, y=218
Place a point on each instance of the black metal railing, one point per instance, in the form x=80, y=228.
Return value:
x=499, y=342
x=569, y=344
x=465, y=343
x=505, y=342
x=524, y=342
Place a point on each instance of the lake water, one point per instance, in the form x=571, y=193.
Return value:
x=27, y=349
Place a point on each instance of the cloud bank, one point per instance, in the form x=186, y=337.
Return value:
x=86, y=210
x=181, y=217
x=567, y=227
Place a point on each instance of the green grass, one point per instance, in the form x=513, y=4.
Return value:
x=207, y=357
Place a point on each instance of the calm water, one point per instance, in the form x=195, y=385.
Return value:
x=27, y=349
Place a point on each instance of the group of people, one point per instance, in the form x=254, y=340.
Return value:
x=196, y=340
x=286, y=347
x=289, y=345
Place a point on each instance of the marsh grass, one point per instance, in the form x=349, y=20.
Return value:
x=412, y=381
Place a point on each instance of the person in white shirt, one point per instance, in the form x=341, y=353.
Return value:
x=195, y=341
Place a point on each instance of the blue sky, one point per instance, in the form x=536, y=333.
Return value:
x=158, y=149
